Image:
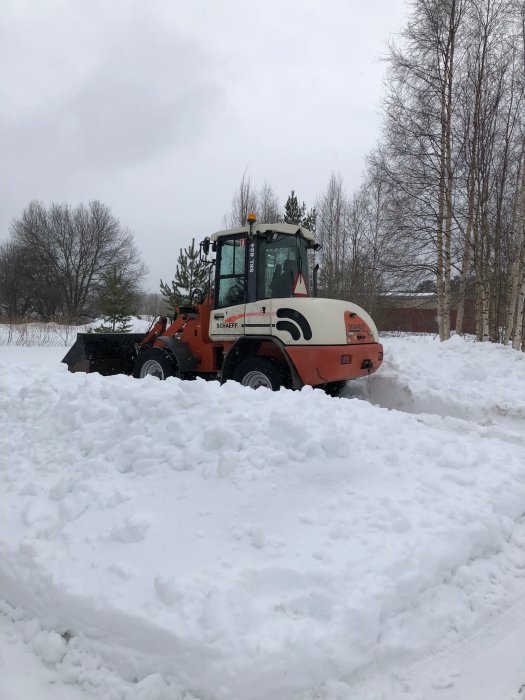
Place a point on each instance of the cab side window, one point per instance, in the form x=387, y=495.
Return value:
x=231, y=287
x=281, y=259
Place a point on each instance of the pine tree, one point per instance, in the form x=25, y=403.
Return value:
x=293, y=211
x=116, y=300
x=309, y=220
x=191, y=275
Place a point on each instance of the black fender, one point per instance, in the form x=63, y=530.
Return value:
x=180, y=350
x=247, y=346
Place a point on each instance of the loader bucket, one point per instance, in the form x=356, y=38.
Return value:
x=105, y=353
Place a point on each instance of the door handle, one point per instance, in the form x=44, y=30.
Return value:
x=218, y=315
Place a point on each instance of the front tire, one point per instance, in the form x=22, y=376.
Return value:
x=256, y=372
x=154, y=362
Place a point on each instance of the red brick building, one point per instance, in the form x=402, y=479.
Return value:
x=417, y=313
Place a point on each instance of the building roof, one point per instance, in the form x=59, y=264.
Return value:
x=412, y=295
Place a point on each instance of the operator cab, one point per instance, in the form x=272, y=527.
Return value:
x=265, y=261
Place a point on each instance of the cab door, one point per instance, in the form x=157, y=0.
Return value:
x=227, y=316
x=257, y=317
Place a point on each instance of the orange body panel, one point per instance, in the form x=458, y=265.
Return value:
x=319, y=364
x=357, y=330
x=158, y=329
x=195, y=332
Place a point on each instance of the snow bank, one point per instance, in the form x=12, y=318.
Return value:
x=459, y=378
x=158, y=539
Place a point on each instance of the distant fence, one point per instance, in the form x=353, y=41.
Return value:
x=38, y=334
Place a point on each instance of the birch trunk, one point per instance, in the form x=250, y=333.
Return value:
x=448, y=244
x=440, y=287
x=471, y=188
x=466, y=255
x=519, y=261
x=516, y=340
x=479, y=320
x=485, y=308
x=449, y=75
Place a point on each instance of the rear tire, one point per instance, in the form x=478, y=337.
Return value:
x=334, y=389
x=154, y=362
x=258, y=372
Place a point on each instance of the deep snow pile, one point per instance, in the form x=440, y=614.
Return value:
x=186, y=540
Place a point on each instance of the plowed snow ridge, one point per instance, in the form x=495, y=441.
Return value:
x=163, y=539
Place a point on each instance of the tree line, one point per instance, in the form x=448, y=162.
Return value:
x=449, y=171
x=67, y=263
x=442, y=203
x=74, y=264
x=192, y=279
x=354, y=243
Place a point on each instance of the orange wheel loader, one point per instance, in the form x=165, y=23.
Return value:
x=258, y=323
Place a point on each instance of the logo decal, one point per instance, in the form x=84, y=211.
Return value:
x=292, y=328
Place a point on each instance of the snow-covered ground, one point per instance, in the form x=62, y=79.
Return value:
x=181, y=540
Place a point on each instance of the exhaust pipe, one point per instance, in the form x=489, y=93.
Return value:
x=316, y=272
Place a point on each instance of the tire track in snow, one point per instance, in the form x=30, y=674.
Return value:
x=441, y=410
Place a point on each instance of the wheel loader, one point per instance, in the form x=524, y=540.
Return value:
x=258, y=323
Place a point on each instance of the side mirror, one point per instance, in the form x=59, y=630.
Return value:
x=205, y=246
x=317, y=246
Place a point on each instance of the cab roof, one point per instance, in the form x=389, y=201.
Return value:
x=290, y=229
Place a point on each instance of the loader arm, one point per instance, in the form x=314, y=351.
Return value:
x=157, y=329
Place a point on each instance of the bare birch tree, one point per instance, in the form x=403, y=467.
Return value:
x=451, y=154
x=70, y=250
x=332, y=234
x=268, y=205
x=263, y=202
x=244, y=201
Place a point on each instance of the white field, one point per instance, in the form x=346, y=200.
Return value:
x=186, y=541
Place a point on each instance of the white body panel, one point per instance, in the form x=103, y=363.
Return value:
x=308, y=321
x=326, y=318
x=227, y=323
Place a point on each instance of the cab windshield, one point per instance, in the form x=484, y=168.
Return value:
x=282, y=258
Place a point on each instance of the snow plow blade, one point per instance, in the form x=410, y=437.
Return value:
x=105, y=353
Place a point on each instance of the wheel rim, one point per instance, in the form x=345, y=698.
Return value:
x=152, y=368
x=256, y=379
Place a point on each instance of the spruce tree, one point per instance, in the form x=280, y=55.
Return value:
x=293, y=211
x=309, y=220
x=116, y=300
x=191, y=275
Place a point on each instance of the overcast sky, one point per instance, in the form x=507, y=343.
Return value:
x=156, y=108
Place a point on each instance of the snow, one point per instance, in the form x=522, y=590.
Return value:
x=185, y=540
